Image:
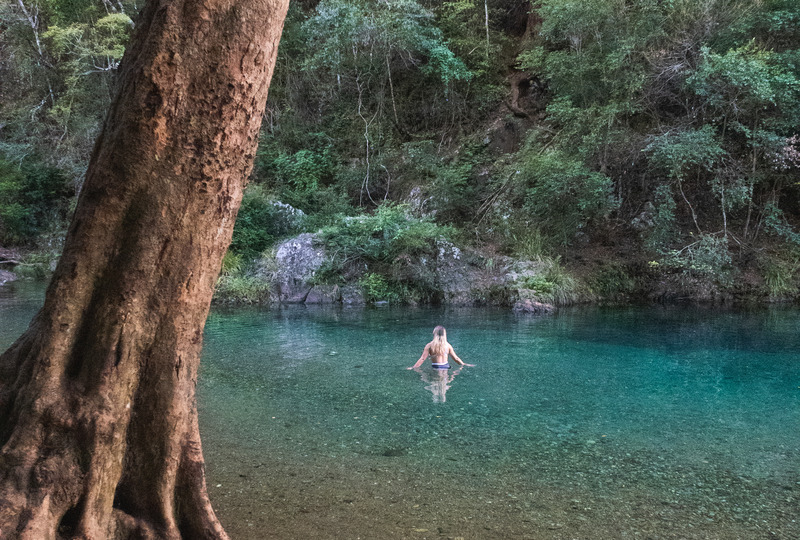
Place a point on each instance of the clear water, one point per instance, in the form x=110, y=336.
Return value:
x=641, y=422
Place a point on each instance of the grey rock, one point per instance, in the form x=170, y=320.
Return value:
x=324, y=294
x=646, y=219
x=534, y=308
x=7, y=277
x=351, y=295
x=296, y=263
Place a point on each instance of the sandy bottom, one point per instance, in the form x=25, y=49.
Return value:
x=392, y=497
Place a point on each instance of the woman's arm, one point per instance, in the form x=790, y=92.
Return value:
x=422, y=358
x=455, y=357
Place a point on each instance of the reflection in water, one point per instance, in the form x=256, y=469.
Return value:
x=438, y=381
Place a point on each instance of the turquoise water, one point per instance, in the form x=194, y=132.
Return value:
x=672, y=422
x=659, y=422
x=19, y=302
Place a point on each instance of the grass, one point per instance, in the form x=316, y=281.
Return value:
x=555, y=285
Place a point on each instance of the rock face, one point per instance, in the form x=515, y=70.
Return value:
x=453, y=274
x=293, y=271
x=297, y=261
x=459, y=278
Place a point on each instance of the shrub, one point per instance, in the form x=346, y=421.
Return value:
x=377, y=288
x=707, y=257
x=32, y=198
x=664, y=229
x=561, y=195
x=388, y=247
x=389, y=233
x=260, y=221
x=528, y=244
x=780, y=273
x=611, y=280
x=236, y=287
x=554, y=284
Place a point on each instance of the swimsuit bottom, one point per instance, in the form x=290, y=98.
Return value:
x=440, y=366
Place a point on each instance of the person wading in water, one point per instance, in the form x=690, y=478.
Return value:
x=439, y=350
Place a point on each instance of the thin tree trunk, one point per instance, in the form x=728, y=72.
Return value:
x=691, y=208
x=98, y=423
x=486, y=24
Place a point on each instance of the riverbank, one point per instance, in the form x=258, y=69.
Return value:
x=308, y=268
x=497, y=281
x=297, y=271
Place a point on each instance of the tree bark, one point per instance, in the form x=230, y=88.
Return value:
x=98, y=423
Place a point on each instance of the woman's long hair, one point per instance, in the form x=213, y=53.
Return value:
x=439, y=343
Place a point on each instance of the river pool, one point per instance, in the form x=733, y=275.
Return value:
x=595, y=423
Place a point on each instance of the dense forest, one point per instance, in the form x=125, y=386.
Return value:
x=618, y=143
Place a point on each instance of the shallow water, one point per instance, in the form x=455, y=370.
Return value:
x=669, y=422
x=645, y=422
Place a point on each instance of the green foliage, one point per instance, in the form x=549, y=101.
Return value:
x=85, y=53
x=742, y=83
x=528, y=243
x=445, y=183
x=239, y=288
x=691, y=105
x=358, y=37
x=58, y=80
x=611, y=280
x=780, y=274
x=707, y=257
x=378, y=289
x=775, y=222
x=464, y=25
x=561, y=194
x=304, y=179
x=260, y=221
x=32, y=198
x=588, y=51
x=684, y=151
x=387, y=244
x=664, y=230
x=539, y=284
x=236, y=284
x=70, y=11
x=391, y=232
x=231, y=263
x=554, y=284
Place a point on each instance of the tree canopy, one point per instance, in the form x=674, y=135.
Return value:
x=559, y=120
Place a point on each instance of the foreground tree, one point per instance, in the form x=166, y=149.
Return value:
x=98, y=423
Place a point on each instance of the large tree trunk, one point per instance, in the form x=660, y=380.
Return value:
x=98, y=423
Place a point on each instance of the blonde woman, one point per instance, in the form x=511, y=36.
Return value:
x=439, y=350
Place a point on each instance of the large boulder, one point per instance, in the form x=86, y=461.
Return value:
x=296, y=262
x=456, y=274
